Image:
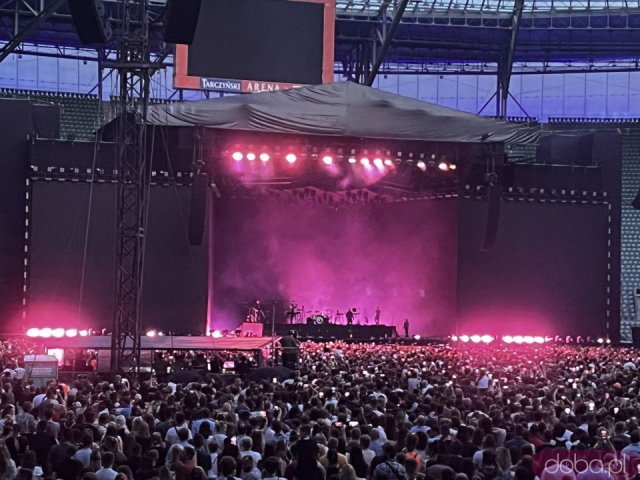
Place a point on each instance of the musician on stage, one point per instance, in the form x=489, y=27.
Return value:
x=256, y=313
x=292, y=311
x=376, y=318
x=350, y=314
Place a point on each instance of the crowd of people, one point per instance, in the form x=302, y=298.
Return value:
x=349, y=411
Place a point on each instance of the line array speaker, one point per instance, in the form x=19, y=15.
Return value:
x=91, y=21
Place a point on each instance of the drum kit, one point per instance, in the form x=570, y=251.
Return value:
x=326, y=317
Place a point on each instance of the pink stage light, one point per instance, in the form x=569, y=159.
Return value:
x=45, y=332
x=422, y=166
x=486, y=339
x=265, y=157
x=388, y=162
x=291, y=157
x=57, y=332
x=518, y=339
x=454, y=338
x=151, y=333
x=352, y=160
x=507, y=339
x=365, y=161
x=71, y=333
x=216, y=334
x=237, y=156
x=251, y=156
x=444, y=166
x=452, y=166
x=528, y=339
x=84, y=333
x=33, y=332
x=378, y=163
x=476, y=338
x=538, y=339
x=327, y=159
x=464, y=338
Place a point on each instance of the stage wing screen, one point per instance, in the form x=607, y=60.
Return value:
x=260, y=40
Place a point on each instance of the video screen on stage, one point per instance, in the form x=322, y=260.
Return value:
x=257, y=45
x=398, y=258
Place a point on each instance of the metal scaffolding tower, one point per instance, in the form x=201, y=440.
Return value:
x=134, y=68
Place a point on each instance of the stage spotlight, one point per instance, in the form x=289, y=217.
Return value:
x=251, y=156
x=464, y=338
x=237, y=156
x=57, y=332
x=538, y=339
x=264, y=156
x=444, y=166
x=507, y=339
x=388, y=162
x=291, y=157
x=378, y=163
x=161, y=334
x=71, y=333
x=518, y=339
x=365, y=161
x=150, y=333
x=216, y=334
x=33, y=332
x=600, y=340
x=454, y=338
x=486, y=338
x=45, y=332
x=84, y=333
x=417, y=337
x=452, y=166
x=352, y=159
x=528, y=339
x=476, y=338
x=327, y=159
x=422, y=166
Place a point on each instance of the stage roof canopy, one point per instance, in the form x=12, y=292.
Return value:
x=341, y=109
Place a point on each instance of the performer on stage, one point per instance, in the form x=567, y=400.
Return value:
x=292, y=311
x=256, y=313
x=350, y=314
x=376, y=318
x=406, y=327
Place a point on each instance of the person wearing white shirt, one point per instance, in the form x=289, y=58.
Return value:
x=83, y=455
x=106, y=472
x=367, y=453
x=245, y=450
x=172, y=434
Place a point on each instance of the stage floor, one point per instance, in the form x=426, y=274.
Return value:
x=341, y=332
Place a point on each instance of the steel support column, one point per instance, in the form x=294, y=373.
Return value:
x=133, y=65
x=386, y=42
x=507, y=65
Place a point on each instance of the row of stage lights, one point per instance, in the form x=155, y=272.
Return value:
x=329, y=158
x=60, y=332
x=527, y=339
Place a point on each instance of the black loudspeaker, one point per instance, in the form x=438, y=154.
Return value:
x=198, y=210
x=494, y=200
x=181, y=21
x=91, y=21
x=635, y=336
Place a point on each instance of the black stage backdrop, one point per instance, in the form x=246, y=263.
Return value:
x=398, y=256
x=546, y=274
x=175, y=282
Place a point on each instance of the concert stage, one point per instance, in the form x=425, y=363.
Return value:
x=340, y=332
